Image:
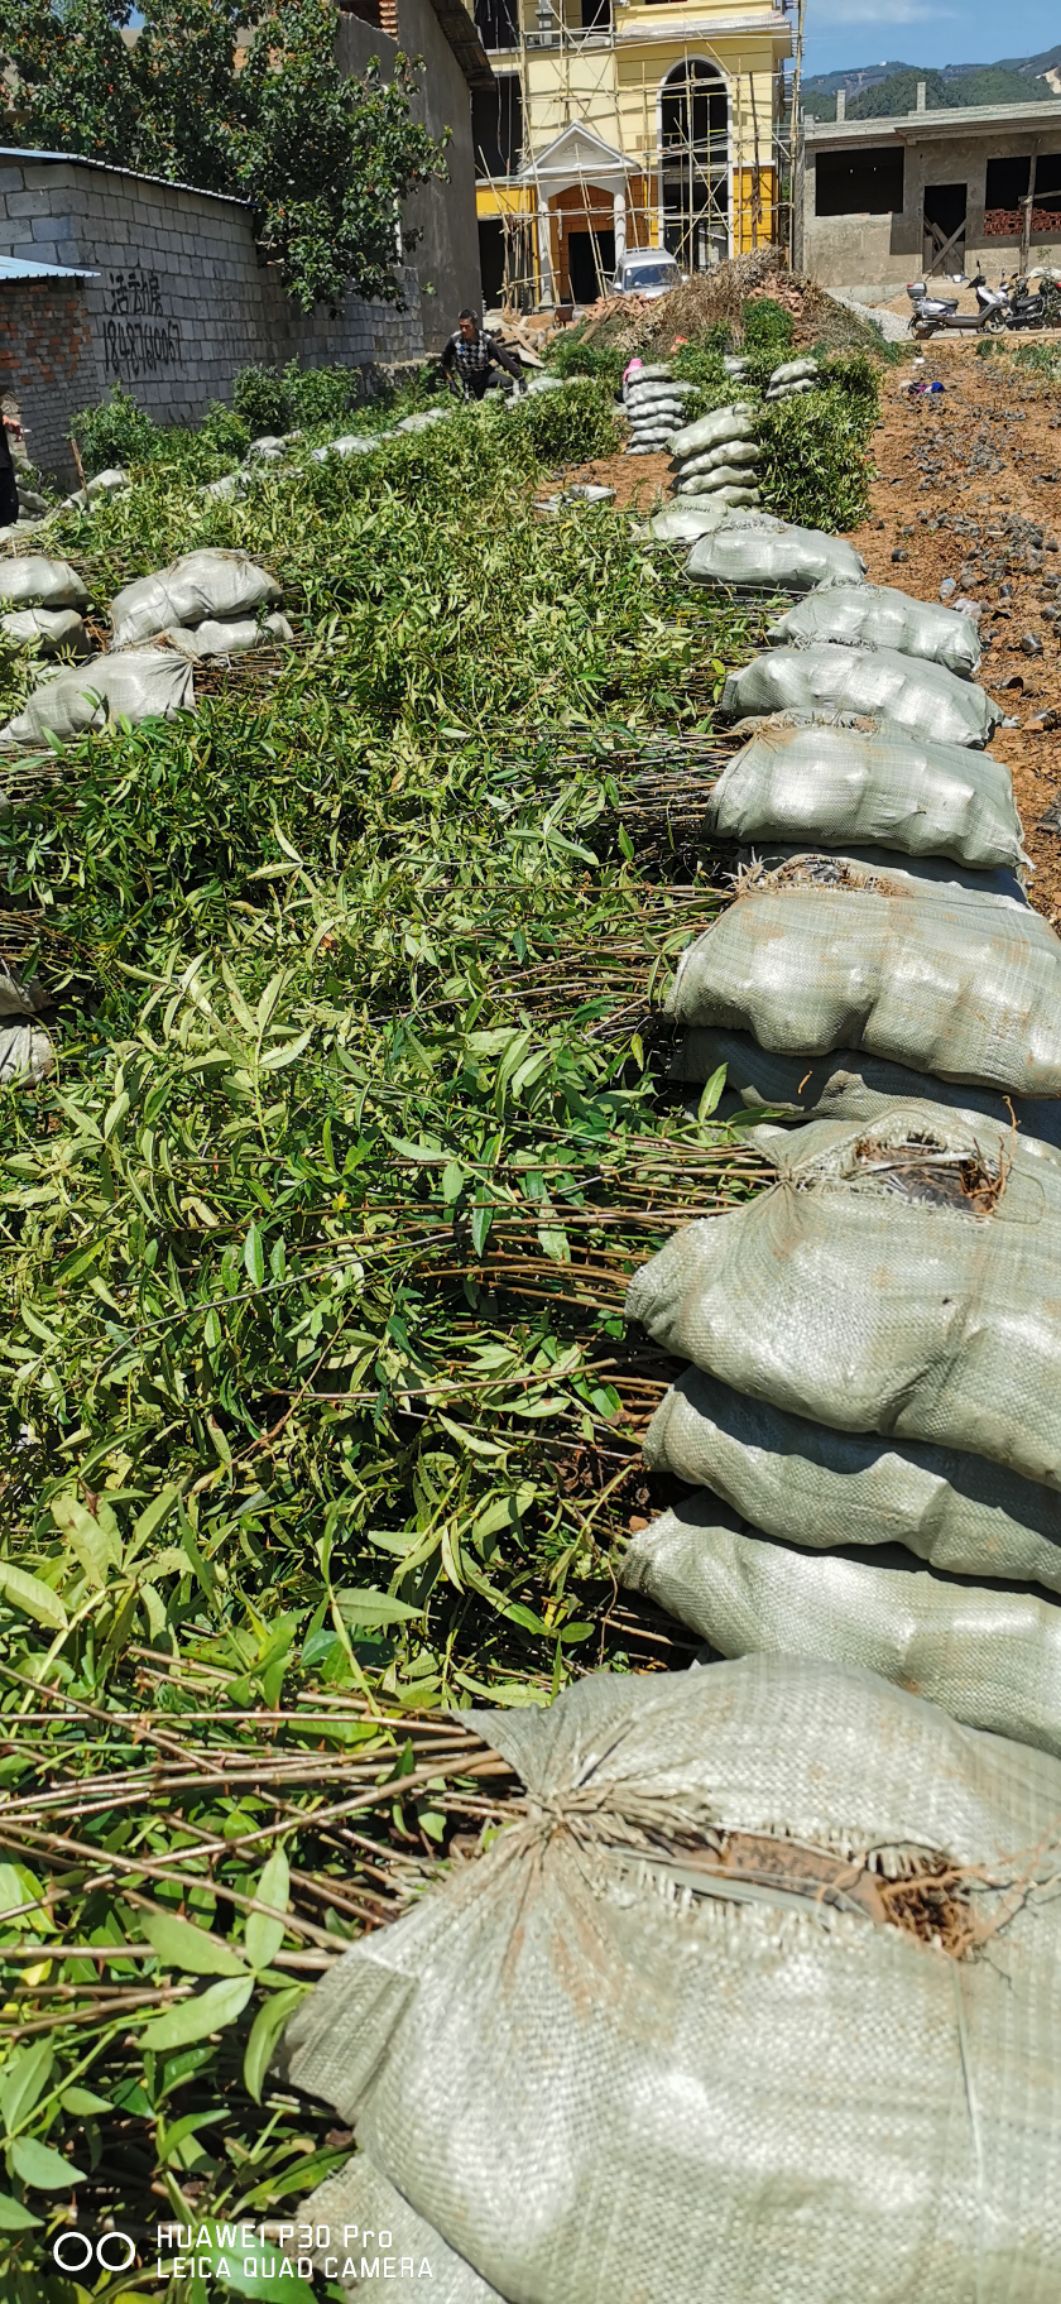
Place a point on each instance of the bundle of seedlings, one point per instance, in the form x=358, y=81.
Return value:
x=774, y=557
x=580, y=2070
x=871, y=616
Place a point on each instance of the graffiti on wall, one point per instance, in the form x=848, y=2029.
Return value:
x=139, y=339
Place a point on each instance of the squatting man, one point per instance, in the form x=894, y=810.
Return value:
x=470, y=356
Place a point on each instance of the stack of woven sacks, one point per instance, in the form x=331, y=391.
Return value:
x=719, y=455
x=655, y=404
x=41, y=605
x=793, y=378
x=874, y=1338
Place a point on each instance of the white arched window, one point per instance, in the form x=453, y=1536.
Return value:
x=694, y=164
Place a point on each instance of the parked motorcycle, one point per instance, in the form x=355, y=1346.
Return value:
x=1034, y=307
x=938, y=315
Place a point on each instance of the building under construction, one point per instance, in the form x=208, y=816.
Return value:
x=613, y=126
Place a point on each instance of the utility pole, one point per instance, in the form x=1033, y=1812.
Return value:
x=796, y=137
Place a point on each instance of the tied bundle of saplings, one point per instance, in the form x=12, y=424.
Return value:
x=580, y=2069
x=42, y=604
x=716, y=458
x=844, y=1084
x=26, y=1053
x=131, y=684
x=882, y=1288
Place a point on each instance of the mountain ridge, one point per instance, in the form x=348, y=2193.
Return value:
x=877, y=91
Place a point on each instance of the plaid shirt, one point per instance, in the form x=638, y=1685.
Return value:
x=471, y=359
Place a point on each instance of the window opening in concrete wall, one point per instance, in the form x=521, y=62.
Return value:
x=945, y=211
x=869, y=183
x=497, y=23
x=1009, y=183
x=497, y=127
x=694, y=168
x=596, y=15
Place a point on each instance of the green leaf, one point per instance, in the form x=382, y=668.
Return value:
x=254, y=1258
x=151, y=1519
x=96, y=1547
x=14, y=2217
x=33, y=1598
x=22, y=2084
x=84, y=2101
x=41, y=2167
x=263, y=1937
x=190, y=2020
x=181, y=1944
x=255, y=2271
x=711, y=1094
x=264, y=2034
x=374, y=1608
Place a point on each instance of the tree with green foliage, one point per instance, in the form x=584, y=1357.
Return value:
x=324, y=159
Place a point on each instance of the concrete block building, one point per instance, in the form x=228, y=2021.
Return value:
x=880, y=201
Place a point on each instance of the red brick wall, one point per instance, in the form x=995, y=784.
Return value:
x=47, y=365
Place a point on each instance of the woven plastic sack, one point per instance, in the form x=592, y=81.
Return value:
x=990, y=1658
x=734, y=423
x=790, y=391
x=846, y=1084
x=880, y=684
x=805, y=1483
x=872, y=616
x=211, y=639
x=30, y=580
x=680, y=523
x=55, y=631
x=830, y=787
x=144, y=684
x=724, y=476
x=364, y=2233
x=826, y=953
x=743, y=452
x=348, y=444
x=799, y=560
x=683, y=2030
x=26, y=1052
x=898, y=1278
x=805, y=370
x=223, y=585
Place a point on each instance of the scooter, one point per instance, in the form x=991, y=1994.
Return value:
x=933, y=315
x=1035, y=308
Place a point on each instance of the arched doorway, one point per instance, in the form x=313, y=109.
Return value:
x=694, y=164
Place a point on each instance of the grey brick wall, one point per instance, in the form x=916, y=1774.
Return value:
x=180, y=302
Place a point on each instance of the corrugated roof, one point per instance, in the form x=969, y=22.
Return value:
x=17, y=268
x=109, y=167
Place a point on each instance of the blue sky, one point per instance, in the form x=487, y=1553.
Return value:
x=841, y=32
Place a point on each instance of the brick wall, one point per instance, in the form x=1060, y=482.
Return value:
x=179, y=303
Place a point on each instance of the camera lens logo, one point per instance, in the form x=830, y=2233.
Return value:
x=111, y=2251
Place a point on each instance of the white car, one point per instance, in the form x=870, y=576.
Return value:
x=649, y=272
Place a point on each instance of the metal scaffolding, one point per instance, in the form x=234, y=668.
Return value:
x=694, y=168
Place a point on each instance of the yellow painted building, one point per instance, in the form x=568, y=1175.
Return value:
x=620, y=124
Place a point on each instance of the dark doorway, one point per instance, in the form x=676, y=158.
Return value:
x=491, y=260
x=590, y=264
x=945, y=213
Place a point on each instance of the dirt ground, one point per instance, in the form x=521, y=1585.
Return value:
x=969, y=493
